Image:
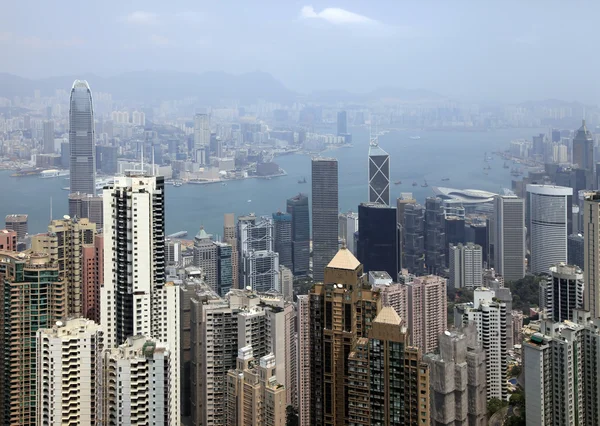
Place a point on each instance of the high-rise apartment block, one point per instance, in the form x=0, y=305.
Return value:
x=64, y=243
x=8, y=240
x=205, y=257
x=342, y=310
x=17, y=223
x=87, y=206
x=347, y=229
x=259, y=263
x=298, y=207
x=69, y=373
x=229, y=237
x=561, y=372
x=548, y=219
x=591, y=226
x=378, y=238
x=224, y=268
x=136, y=383
x=379, y=175
x=435, y=236
x=34, y=297
x=201, y=137
x=465, y=264
x=254, y=397
x=575, y=250
x=562, y=292
x=92, y=277
x=82, y=140
x=303, y=363
x=508, y=236
x=282, y=237
x=414, y=239
x=490, y=316
x=458, y=380
x=324, y=213
x=387, y=381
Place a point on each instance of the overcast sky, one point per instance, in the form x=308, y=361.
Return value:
x=473, y=49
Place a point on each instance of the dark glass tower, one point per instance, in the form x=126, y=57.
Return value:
x=81, y=139
x=414, y=239
x=435, y=236
x=282, y=235
x=324, y=213
x=379, y=175
x=583, y=153
x=298, y=207
x=378, y=238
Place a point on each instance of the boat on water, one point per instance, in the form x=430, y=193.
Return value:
x=505, y=165
x=26, y=172
x=424, y=184
x=53, y=173
x=249, y=201
x=303, y=180
x=445, y=179
x=177, y=184
x=417, y=137
x=487, y=167
x=415, y=184
x=223, y=184
x=398, y=182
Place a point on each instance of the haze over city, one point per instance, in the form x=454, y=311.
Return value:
x=481, y=51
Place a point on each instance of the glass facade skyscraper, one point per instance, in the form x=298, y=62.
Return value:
x=81, y=139
x=378, y=238
x=379, y=175
x=298, y=207
x=282, y=233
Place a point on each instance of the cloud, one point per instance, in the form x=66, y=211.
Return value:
x=141, y=18
x=160, y=41
x=336, y=16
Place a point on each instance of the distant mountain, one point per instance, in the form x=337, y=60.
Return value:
x=395, y=93
x=209, y=87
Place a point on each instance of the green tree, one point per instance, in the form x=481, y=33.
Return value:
x=494, y=405
x=525, y=292
x=291, y=418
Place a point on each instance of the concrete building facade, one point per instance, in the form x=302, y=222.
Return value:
x=465, y=264
x=508, y=237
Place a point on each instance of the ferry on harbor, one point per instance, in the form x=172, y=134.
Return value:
x=53, y=173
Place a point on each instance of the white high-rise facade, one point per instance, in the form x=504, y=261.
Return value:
x=135, y=298
x=466, y=268
x=69, y=373
x=548, y=219
x=201, y=137
x=508, y=235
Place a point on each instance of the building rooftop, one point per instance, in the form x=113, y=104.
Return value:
x=375, y=150
x=388, y=315
x=344, y=259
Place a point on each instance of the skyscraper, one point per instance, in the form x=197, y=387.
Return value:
x=324, y=213
x=86, y=206
x=201, y=137
x=591, y=268
x=379, y=174
x=69, y=373
x=509, y=237
x=435, y=236
x=378, y=238
x=333, y=333
x=282, y=235
x=81, y=139
x=342, y=123
x=259, y=264
x=229, y=237
x=298, y=207
x=303, y=353
x=414, y=238
x=224, y=268
x=49, y=137
x=548, y=217
x=17, y=223
x=562, y=292
x=465, y=266
x=205, y=257
x=33, y=297
x=583, y=154
x=348, y=226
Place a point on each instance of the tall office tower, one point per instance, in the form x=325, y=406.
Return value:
x=229, y=237
x=282, y=236
x=259, y=263
x=508, y=237
x=400, y=209
x=454, y=228
x=476, y=232
x=87, y=206
x=561, y=372
x=49, y=137
x=92, y=278
x=342, y=123
x=583, y=153
x=562, y=292
x=435, y=236
x=8, y=240
x=81, y=139
x=33, y=297
x=298, y=207
x=414, y=239
x=205, y=257
x=548, y=217
x=136, y=383
x=379, y=175
x=575, y=250
x=17, y=223
x=286, y=279
x=254, y=397
x=64, y=243
x=387, y=382
x=591, y=229
x=69, y=372
x=303, y=363
x=465, y=266
x=347, y=228
x=378, y=238
x=457, y=377
x=173, y=251
x=201, y=137
x=333, y=333
x=324, y=213
x=427, y=314
x=224, y=268
x=490, y=317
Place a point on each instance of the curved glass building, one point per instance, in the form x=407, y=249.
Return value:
x=81, y=139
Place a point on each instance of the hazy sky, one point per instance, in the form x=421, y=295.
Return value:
x=474, y=49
